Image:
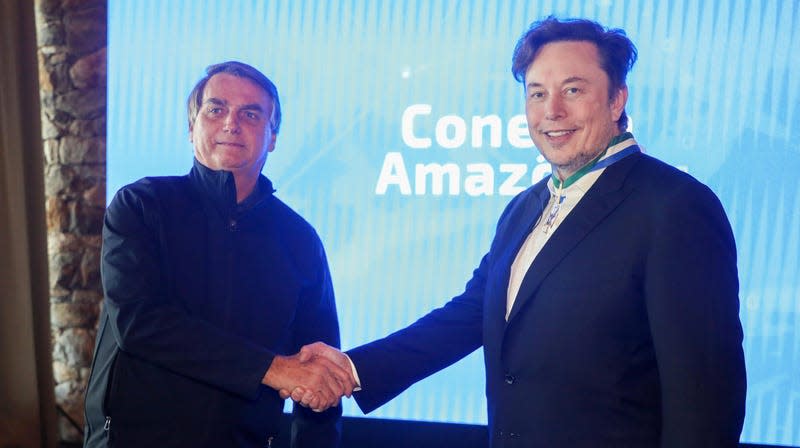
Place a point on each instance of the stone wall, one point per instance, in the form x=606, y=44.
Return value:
x=71, y=37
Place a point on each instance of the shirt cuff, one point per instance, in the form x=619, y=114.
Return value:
x=355, y=373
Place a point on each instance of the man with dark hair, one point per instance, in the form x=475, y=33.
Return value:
x=210, y=281
x=607, y=305
x=616, y=52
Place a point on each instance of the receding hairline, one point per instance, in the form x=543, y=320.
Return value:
x=271, y=107
x=239, y=70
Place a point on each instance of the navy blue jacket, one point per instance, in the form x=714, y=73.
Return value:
x=625, y=331
x=200, y=295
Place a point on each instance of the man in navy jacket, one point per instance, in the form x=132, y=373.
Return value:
x=210, y=281
x=607, y=305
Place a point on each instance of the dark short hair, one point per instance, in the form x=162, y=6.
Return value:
x=617, y=52
x=241, y=70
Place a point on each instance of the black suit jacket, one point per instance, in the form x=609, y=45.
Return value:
x=625, y=331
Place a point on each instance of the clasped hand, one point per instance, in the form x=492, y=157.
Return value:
x=316, y=377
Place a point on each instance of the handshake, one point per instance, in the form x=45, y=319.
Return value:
x=317, y=377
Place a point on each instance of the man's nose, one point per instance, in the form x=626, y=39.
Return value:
x=231, y=124
x=554, y=108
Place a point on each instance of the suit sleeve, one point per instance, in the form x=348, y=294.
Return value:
x=390, y=365
x=148, y=324
x=317, y=321
x=691, y=290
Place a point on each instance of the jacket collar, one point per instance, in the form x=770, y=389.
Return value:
x=607, y=192
x=219, y=188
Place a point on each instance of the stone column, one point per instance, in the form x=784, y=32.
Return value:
x=71, y=37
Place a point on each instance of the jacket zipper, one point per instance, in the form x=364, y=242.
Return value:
x=107, y=426
x=233, y=228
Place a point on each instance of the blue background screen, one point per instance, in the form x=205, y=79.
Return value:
x=391, y=108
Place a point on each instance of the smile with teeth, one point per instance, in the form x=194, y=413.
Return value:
x=556, y=133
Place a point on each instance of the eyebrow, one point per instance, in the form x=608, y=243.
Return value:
x=215, y=101
x=221, y=102
x=571, y=79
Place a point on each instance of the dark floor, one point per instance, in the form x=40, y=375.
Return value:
x=381, y=433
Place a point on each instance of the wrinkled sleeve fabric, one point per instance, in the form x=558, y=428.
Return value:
x=150, y=325
x=691, y=291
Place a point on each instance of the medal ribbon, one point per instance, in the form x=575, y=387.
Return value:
x=594, y=165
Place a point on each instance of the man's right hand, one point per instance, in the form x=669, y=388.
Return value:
x=318, y=350
x=323, y=381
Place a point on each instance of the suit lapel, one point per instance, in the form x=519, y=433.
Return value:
x=521, y=227
x=601, y=199
x=510, y=235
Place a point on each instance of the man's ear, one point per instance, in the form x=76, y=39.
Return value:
x=618, y=102
x=273, y=139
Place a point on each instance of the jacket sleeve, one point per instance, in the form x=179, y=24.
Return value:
x=691, y=291
x=388, y=366
x=317, y=320
x=149, y=324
